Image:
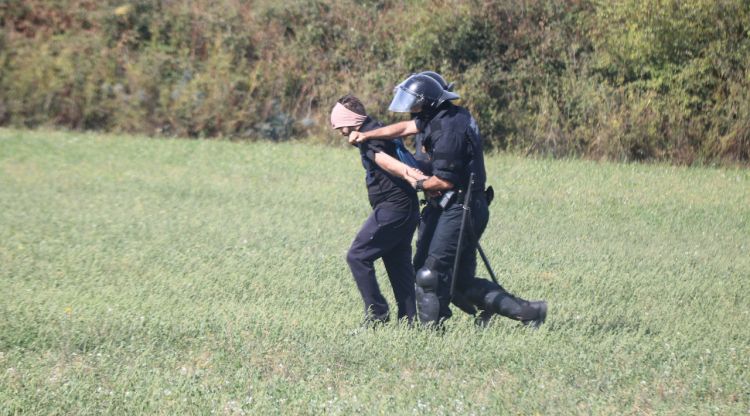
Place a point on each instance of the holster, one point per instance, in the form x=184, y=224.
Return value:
x=452, y=196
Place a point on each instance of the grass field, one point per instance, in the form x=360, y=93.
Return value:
x=142, y=276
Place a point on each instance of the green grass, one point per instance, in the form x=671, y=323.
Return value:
x=143, y=276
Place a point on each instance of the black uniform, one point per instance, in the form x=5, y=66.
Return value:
x=454, y=146
x=386, y=234
x=420, y=155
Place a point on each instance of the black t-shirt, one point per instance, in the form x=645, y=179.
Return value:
x=451, y=137
x=383, y=189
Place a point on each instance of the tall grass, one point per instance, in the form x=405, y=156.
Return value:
x=146, y=276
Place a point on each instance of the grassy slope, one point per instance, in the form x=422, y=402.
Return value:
x=170, y=277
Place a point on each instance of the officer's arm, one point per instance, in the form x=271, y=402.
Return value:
x=392, y=131
x=396, y=168
x=434, y=183
x=448, y=149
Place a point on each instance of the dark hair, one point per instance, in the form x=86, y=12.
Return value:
x=352, y=103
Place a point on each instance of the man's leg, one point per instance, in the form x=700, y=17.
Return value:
x=374, y=239
x=401, y=271
x=360, y=257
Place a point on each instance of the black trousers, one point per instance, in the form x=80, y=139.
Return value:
x=437, y=243
x=386, y=234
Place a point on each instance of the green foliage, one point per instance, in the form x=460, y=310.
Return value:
x=185, y=277
x=690, y=54
x=622, y=80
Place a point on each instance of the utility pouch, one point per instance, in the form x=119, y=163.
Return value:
x=489, y=193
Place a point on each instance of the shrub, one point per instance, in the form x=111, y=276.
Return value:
x=626, y=80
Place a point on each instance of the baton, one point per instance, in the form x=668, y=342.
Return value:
x=487, y=264
x=465, y=215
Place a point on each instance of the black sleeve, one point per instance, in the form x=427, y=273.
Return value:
x=375, y=146
x=447, y=156
x=421, y=123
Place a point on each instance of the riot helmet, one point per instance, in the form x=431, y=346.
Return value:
x=418, y=93
x=439, y=78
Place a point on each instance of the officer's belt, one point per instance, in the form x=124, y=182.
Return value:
x=458, y=196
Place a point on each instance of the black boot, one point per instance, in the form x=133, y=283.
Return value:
x=374, y=320
x=529, y=313
x=541, y=314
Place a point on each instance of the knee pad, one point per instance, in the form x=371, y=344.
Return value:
x=428, y=304
x=427, y=279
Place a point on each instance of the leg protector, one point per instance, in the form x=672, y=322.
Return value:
x=503, y=303
x=491, y=299
x=476, y=293
x=428, y=304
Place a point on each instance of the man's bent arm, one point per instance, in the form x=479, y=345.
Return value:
x=391, y=131
x=395, y=167
x=400, y=170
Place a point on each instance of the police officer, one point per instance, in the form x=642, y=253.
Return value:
x=454, y=147
x=420, y=154
x=388, y=231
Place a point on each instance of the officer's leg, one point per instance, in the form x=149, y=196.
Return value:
x=400, y=270
x=488, y=296
x=427, y=224
x=428, y=305
x=433, y=279
x=468, y=265
x=431, y=301
x=466, y=271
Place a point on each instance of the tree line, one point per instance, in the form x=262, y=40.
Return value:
x=618, y=80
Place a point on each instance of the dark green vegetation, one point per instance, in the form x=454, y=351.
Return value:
x=622, y=80
x=189, y=277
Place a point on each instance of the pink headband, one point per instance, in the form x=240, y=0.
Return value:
x=344, y=117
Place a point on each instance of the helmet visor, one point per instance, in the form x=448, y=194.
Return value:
x=405, y=101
